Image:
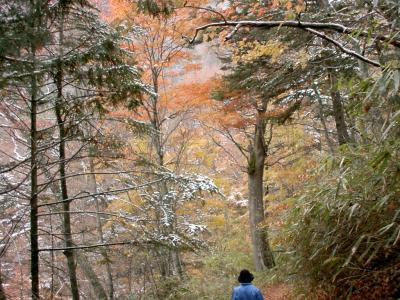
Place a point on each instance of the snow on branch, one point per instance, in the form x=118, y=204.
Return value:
x=311, y=27
x=299, y=24
x=191, y=184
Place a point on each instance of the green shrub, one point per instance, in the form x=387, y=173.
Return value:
x=346, y=228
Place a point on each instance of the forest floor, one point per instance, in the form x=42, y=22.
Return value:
x=276, y=292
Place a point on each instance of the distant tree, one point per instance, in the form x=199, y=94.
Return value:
x=158, y=44
x=253, y=112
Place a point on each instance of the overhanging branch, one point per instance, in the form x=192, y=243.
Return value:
x=343, y=49
x=298, y=24
x=310, y=27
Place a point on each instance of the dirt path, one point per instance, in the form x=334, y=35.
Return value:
x=276, y=292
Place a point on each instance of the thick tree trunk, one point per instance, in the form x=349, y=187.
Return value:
x=338, y=113
x=262, y=253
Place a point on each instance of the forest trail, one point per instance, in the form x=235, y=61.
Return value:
x=276, y=292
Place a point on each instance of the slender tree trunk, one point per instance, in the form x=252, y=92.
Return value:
x=99, y=226
x=322, y=118
x=34, y=197
x=52, y=260
x=69, y=253
x=34, y=174
x=2, y=293
x=262, y=253
x=171, y=261
x=86, y=267
x=165, y=257
x=337, y=103
x=176, y=261
x=91, y=276
x=66, y=208
x=338, y=113
x=364, y=72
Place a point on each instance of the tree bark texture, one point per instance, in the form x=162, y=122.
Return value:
x=338, y=113
x=262, y=253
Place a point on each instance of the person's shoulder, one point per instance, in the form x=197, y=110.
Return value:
x=257, y=292
x=255, y=288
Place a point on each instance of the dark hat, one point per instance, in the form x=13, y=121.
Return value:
x=245, y=276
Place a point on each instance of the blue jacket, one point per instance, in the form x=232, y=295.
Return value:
x=246, y=291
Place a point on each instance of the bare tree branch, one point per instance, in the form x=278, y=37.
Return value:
x=117, y=215
x=206, y=9
x=103, y=193
x=133, y=243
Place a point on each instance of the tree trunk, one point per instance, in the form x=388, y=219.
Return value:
x=34, y=197
x=262, y=253
x=87, y=269
x=91, y=276
x=322, y=118
x=337, y=103
x=34, y=175
x=176, y=262
x=69, y=253
x=2, y=293
x=338, y=113
x=170, y=262
x=66, y=208
x=99, y=226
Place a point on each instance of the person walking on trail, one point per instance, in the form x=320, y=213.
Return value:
x=246, y=291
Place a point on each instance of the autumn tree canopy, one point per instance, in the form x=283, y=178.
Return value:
x=152, y=149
